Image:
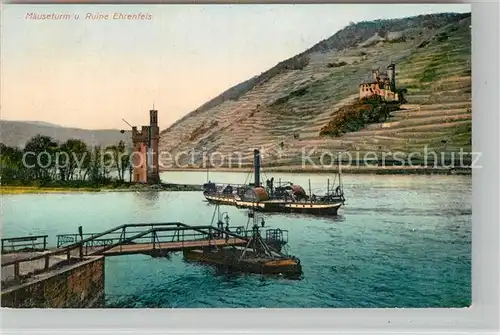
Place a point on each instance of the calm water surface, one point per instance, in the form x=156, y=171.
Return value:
x=400, y=241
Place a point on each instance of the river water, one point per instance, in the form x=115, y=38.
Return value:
x=400, y=241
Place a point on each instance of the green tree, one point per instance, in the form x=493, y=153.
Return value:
x=39, y=158
x=120, y=159
x=76, y=157
x=11, y=167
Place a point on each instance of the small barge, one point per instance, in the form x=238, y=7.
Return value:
x=287, y=197
x=235, y=260
x=257, y=256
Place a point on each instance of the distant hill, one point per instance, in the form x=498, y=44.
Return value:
x=17, y=133
x=41, y=123
x=292, y=101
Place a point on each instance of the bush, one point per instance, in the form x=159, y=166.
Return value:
x=400, y=39
x=442, y=37
x=296, y=93
x=336, y=64
x=383, y=33
x=358, y=115
x=429, y=75
x=423, y=44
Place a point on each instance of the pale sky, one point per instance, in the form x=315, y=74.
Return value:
x=91, y=74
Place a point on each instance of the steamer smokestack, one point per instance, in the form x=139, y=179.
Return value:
x=256, y=167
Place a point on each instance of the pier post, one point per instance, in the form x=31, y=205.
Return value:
x=16, y=270
x=47, y=262
x=80, y=232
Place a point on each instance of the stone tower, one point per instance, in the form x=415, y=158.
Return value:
x=145, y=157
x=154, y=171
x=391, y=70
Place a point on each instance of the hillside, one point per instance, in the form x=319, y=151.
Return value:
x=283, y=109
x=17, y=133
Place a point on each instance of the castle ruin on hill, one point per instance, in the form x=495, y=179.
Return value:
x=382, y=84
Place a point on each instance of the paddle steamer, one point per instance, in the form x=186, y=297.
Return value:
x=286, y=197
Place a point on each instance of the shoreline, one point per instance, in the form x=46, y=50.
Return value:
x=167, y=187
x=368, y=170
x=11, y=190
x=35, y=190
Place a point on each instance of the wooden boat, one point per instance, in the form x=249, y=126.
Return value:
x=286, y=198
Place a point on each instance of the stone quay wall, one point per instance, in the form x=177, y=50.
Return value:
x=79, y=285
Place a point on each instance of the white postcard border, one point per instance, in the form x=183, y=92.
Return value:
x=481, y=318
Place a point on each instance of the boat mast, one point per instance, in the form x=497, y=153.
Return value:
x=340, y=182
x=208, y=168
x=340, y=178
x=334, y=181
x=310, y=194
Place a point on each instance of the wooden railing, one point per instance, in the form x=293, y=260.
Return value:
x=24, y=243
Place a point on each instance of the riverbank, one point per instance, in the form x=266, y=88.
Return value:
x=391, y=170
x=69, y=189
x=32, y=189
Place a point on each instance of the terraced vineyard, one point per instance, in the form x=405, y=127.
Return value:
x=282, y=114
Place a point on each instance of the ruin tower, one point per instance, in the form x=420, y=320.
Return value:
x=391, y=70
x=145, y=156
x=154, y=168
x=139, y=141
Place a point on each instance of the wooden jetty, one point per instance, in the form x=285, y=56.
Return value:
x=151, y=248
x=20, y=260
x=72, y=274
x=152, y=239
x=27, y=255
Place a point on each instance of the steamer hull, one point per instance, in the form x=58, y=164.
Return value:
x=292, y=207
x=221, y=199
x=277, y=206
